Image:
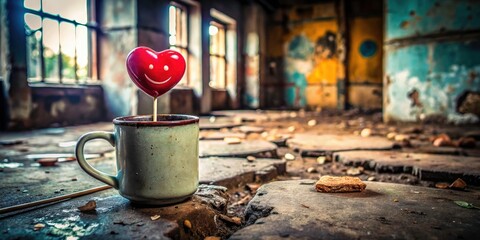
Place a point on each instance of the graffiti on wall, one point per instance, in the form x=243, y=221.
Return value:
x=365, y=62
x=252, y=71
x=309, y=66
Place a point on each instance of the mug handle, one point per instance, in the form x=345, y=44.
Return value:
x=106, y=178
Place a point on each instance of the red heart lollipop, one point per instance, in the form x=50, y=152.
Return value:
x=155, y=72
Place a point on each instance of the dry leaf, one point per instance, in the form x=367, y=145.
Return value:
x=187, y=224
x=441, y=185
x=89, y=207
x=458, y=184
x=38, y=226
x=232, y=140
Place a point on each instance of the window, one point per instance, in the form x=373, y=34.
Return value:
x=61, y=41
x=178, y=34
x=218, y=58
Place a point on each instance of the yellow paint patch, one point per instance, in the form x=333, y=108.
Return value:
x=365, y=96
x=365, y=69
x=321, y=95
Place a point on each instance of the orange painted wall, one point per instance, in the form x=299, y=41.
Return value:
x=365, y=72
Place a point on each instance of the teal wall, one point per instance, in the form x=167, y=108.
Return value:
x=431, y=58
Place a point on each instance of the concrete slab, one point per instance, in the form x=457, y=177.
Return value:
x=42, y=141
x=429, y=167
x=116, y=218
x=311, y=144
x=215, y=123
x=32, y=183
x=218, y=135
x=257, y=148
x=251, y=129
x=294, y=210
x=234, y=172
x=256, y=115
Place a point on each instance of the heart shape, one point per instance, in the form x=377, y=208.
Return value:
x=155, y=73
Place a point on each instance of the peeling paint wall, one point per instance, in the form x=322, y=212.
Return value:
x=118, y=21
x=431, y=59
x=306, y=37
x=252, y=56
x=365, y=54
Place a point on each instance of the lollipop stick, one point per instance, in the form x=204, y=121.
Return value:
x=154, y=109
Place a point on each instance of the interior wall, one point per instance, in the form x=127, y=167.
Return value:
x=119, y=26
x=432, y=69
x=305, y=38
x=365, y=56
x=233, y=10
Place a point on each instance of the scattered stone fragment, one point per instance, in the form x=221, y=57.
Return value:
x=289, y=157
x=187, y=224
x=312, y=123
x=321, y=159
x=401, y=137
x=47, y=162
x=264, y=134
x=253, y=187
x=371, y=179
x=355, y=171
x=155, y=217
x=242, y=201
x=466, y=142
x=442, y=140
x=441, y=185
x=330, y=184
x=251, y=158
x=232, y=140
x=391, y=135
x=89, y=207
x=212, y=238
x=234, y=220
x=395, y=200
x=366, y=132
x=458, y=184
x=312, y=170
x=38, y=226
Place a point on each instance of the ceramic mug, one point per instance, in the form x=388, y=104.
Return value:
x=157, y=162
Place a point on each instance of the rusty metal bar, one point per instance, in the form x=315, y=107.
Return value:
x=54, y=199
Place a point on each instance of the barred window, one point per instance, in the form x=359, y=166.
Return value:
x=218, y=58
x=61, y=41
x=178, y=33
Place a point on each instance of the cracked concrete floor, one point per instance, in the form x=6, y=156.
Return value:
x=308, y=145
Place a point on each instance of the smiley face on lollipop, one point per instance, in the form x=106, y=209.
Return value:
x=155, y=73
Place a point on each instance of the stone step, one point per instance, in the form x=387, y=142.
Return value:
x=256, y=148
x=314, y=145
x=429, y=167
x=33, y=183
x=294, y=210
x=235, y=172
x=116, y=218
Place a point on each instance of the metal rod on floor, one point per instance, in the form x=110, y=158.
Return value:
x=54, y=199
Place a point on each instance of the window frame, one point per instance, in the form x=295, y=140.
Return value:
x=186, y=48
x=217, y=23
x=92, y=45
